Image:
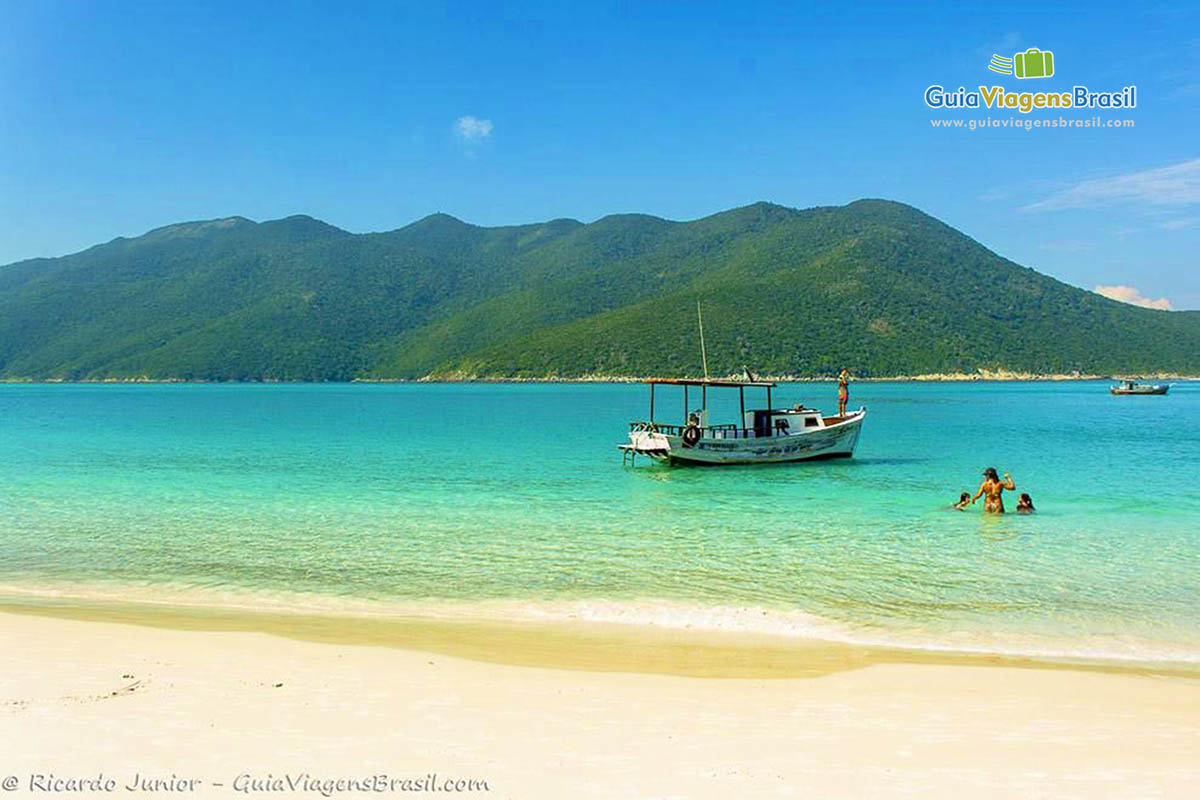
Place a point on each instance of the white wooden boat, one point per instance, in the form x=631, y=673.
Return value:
x=765, y=435
x=1131, y=387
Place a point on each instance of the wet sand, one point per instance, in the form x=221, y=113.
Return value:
x=589, y=646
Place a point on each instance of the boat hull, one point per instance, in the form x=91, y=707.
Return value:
x=836, y=441
x=1146, y=390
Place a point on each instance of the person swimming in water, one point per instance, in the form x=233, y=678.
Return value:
x=843, y=391
x=993, y=488
x=1025, y=504
x=964, y=500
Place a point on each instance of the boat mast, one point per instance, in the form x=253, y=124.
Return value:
x=703, y=358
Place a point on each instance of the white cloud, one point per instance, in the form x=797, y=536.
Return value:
x=1128, y=294
x=1176, y=224
x=1178, y=184
x=473, y=129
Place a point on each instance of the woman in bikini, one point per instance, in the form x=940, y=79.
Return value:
x=843, y=391
x=993, y=488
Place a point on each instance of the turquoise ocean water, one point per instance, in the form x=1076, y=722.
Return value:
x=510, y=500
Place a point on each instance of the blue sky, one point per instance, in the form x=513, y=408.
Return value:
x=119, y=117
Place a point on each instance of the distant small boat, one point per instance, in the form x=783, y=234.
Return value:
x=1132, y=387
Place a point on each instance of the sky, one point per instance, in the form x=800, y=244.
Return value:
x=119, y=117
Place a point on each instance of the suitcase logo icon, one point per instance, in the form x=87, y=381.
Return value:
x=1033, y=63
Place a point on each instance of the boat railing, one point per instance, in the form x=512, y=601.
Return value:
x=726, y=431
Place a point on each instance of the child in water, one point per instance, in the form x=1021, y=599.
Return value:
x=964, y=500
x=1024, y=504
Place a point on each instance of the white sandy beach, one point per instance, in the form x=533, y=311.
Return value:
x=82, y=698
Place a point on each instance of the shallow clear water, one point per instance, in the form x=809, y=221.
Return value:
x=512, y=499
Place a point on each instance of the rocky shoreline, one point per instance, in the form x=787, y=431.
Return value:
x=939, y=377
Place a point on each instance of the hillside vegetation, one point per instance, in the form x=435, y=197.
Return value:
x=876, y=286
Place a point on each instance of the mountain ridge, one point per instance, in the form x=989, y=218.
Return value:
x=875, y=285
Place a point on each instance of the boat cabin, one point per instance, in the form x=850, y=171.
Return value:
x=753, y=422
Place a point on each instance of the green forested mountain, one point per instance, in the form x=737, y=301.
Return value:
x=876, y=286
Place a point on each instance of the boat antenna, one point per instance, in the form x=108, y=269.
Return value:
x=703, y=352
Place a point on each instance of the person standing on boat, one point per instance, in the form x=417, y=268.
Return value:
x=993, y=488
x=843, y=391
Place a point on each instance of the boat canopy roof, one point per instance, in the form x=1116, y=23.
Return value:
x=710, y=382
